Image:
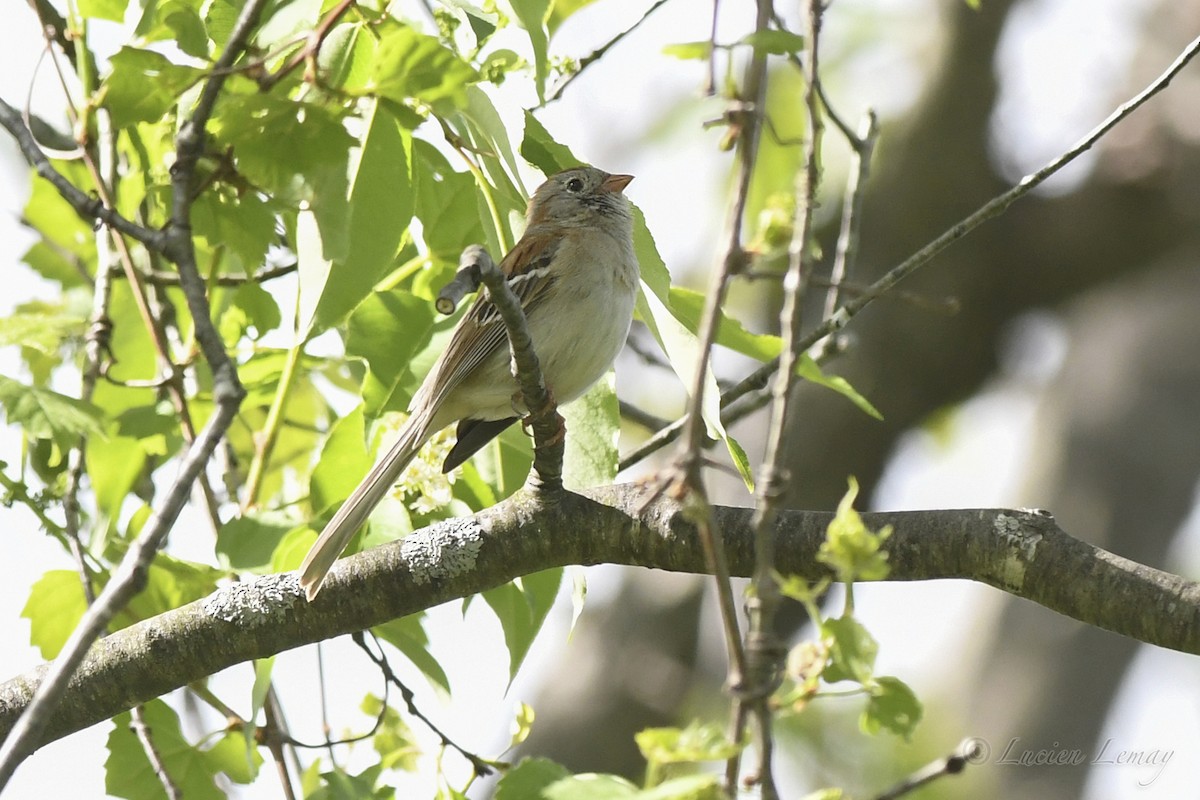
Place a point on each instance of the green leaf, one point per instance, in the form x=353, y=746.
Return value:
x=522, y=725
x=69, y=242
x=144, y=85
x=247, y=542
x=446, y=204
x=393, y=740
x=343, y=463
x=113, y=10
x=410, y=65
x=252, y=312
x=56, y=604
x=45, y=414
x=590, y=786
x=114, y=465
x=775, y=42
x=850, y=548
x=243, y=225
x=389, y=330
x=687, y=787
x=695, y=743
x=263, y=667
x=291, y=150
x=811, y=371
x=504, y=463
x=689, y=51
x=408, y=636
x=236, y=756
x=852, y=651
x=177, y=21
x=529, y=779
x=341, y=785
x=561, y=11
x=532, y=16
x=594, y=425
x=892, y=705
x=43, y=328
x=380, y=207
x=128, y=772
x=522, y=606
x=346, y=57
x=688, y=307
x=539, y=148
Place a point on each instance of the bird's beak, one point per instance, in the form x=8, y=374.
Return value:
x=615, y=183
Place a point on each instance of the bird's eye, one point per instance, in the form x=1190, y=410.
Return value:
x=574, y=185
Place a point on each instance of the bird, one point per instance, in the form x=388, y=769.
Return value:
x=576, y=276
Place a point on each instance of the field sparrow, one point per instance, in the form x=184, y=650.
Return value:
x=576, y=276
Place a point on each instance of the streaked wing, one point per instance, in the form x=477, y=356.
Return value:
x=481, y=332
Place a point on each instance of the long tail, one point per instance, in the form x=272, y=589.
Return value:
x=354, y=512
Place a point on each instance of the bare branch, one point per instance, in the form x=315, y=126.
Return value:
x=85, y=205
x=993, y=208
x=146, y=737
x=966, y=753
x=1022, y=552
x=764, y=653
x=599, y=52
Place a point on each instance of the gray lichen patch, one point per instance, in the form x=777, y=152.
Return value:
x=1022, y=548
x=444, y=551
x=253, y=601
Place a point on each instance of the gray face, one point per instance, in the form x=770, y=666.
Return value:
x=577, y=196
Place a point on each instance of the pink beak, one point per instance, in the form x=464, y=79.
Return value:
x=615, y=183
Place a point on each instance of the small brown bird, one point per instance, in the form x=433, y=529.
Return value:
x=576, y=276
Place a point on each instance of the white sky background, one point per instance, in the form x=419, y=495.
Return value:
x=606, y=117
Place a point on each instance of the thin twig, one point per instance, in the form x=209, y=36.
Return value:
x=599, y=52
x=85, y=205
x=277, y=736
x=763, y=650
x=639, y=416
x=308, y=53
x=163, y=278
x=710, y=85
x=966, y=753
x=989, y=210
x=481, y=767
x=862, y=148
x=143, y=733
x=748, y=112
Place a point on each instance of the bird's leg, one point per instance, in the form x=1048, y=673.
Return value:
x=550, y=408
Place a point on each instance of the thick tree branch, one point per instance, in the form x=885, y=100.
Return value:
x=1021, y=552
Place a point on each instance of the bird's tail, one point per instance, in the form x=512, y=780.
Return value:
x=354, y=512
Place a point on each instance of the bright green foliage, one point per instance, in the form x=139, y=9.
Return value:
x=846, y=651
x=591, y=449
x=664, y=748
x=192, y=769
x=353, y=177
x=850, y=549
x=55, y=606
x=529, y=779
x=521, y=607
x=393, y=740
x=892, y=705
